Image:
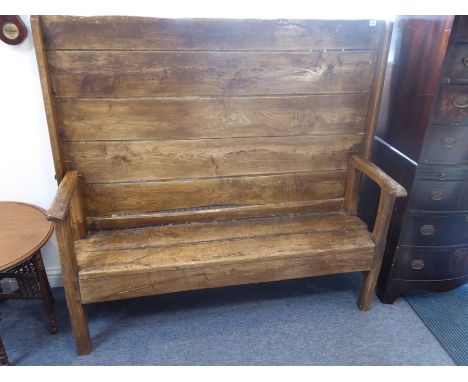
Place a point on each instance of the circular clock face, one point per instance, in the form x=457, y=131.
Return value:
x=12, y=30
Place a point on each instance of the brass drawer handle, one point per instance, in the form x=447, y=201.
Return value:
x=449, y=141
x=427, y=230
x=437, y=194
x=417, y=264
x=460, y=101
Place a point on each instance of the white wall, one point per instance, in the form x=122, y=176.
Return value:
x=26, y=166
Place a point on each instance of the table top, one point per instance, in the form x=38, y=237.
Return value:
x=24, y=229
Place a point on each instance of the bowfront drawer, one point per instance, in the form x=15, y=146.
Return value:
x=436, y=195
x=431, y=264
x=446, y=144
x=452, y=105
x=456, y=64
x=436, y=229
x=439, y=172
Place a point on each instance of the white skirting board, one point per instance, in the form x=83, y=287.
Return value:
x=55, y=277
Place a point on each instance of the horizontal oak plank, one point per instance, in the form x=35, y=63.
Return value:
x=119, y=198
x=218, y=213
x=203, y=255
x=181, y=118
x=91, y=74
x=208, y=255
x=151, y=283
x=151, y=160
x=136, y=33
x=202, y=232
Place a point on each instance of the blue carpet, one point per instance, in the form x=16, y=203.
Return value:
x=446, y=316
x=311, y=321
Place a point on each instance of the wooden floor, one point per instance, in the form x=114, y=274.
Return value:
x=171, y=258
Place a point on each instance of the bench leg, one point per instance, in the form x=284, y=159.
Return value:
x=368, y=288
x=79, y=322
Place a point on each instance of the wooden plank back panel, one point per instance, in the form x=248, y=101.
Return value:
x=163, y=116
x=181, y=159
x=141, y=33
x=91, y=74
x=231, y=191
x=230, y=117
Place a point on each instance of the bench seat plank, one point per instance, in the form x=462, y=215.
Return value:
x=218, y=252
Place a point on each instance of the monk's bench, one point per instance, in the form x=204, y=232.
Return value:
x=200, y=153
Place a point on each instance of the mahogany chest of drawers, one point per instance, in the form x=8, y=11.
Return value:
x=422, y=142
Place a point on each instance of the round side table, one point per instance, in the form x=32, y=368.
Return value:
x=24, y=229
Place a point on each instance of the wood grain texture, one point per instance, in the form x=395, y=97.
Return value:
x=152, y=283
x=446, y=111
x=385, y=182
x=389, y=191
x=357, y=167
x=91, y=74
x=78, y=213
x=247, y=123
x=189, y=118
x=24, y=229
x=152, y=160
x=219, y=250
x=124, y=198
x=137, y=33
x=376, y=92
x=222, y=256
x=61, y=204
x=167, y=235
x=379, y=236
x=47, y=93
x=213, y=213
x=68, y=259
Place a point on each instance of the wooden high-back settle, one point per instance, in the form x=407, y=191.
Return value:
x=202, y=120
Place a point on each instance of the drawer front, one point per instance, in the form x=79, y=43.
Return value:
x=431, y=264
x=452, y=105
x=446, y=144
x=435, y=195
x=456, y=64
x=440, y=172
x=436, y=229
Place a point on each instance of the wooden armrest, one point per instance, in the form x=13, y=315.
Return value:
x=385, y=182
x=62, y=201
x=390, y=190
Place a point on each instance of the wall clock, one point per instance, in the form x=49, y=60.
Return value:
x=12, y=30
